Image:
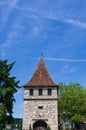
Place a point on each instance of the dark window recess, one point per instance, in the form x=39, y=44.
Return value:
x=40, y=92
x=31, y=92
x=49, y=92
x=40, y=107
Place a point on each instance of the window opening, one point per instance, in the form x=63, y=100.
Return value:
x=31, y=92
x=40, y=92
x=40, y=107
x=49, y=92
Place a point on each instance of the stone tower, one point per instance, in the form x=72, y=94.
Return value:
x=40, y=101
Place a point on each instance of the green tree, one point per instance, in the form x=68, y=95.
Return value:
x=8, y=86
x=72, y=102
x=48, y=128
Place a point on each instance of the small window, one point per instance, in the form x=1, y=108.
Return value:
x=31, y=92
x=49, y=92
x=40, y=107
x=40, y=92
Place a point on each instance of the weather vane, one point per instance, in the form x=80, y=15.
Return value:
x=41, y=53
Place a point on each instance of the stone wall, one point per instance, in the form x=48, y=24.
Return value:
x=44, y=91
x=40, y=108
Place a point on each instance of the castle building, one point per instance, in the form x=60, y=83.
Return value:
x=40, y=101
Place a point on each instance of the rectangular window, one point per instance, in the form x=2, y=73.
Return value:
x=31, y=92
x=49, y=92
x=40, y=107
x=40, y=92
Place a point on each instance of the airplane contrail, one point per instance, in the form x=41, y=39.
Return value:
x=63, y=59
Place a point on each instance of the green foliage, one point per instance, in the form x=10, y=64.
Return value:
x=8, y=86
x=30, y=127
x=48, y=128
x=2, y=112
x=16, y=124
x=72, y=102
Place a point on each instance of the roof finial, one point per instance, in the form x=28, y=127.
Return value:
x=41, y=53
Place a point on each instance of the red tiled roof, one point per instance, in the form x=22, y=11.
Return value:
x=41, y=76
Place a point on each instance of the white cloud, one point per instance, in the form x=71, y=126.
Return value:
x=13, y=3
x=71, y=21
x=13, y=38
x=34, y=16
x=8, y=3
x=68, y=69
x=6, y=10
x=75, y=22
x=36, y=31
x=26, y=8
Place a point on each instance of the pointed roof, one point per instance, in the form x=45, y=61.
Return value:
x=41, y=76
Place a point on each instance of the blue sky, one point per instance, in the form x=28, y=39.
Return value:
x=58, y=27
